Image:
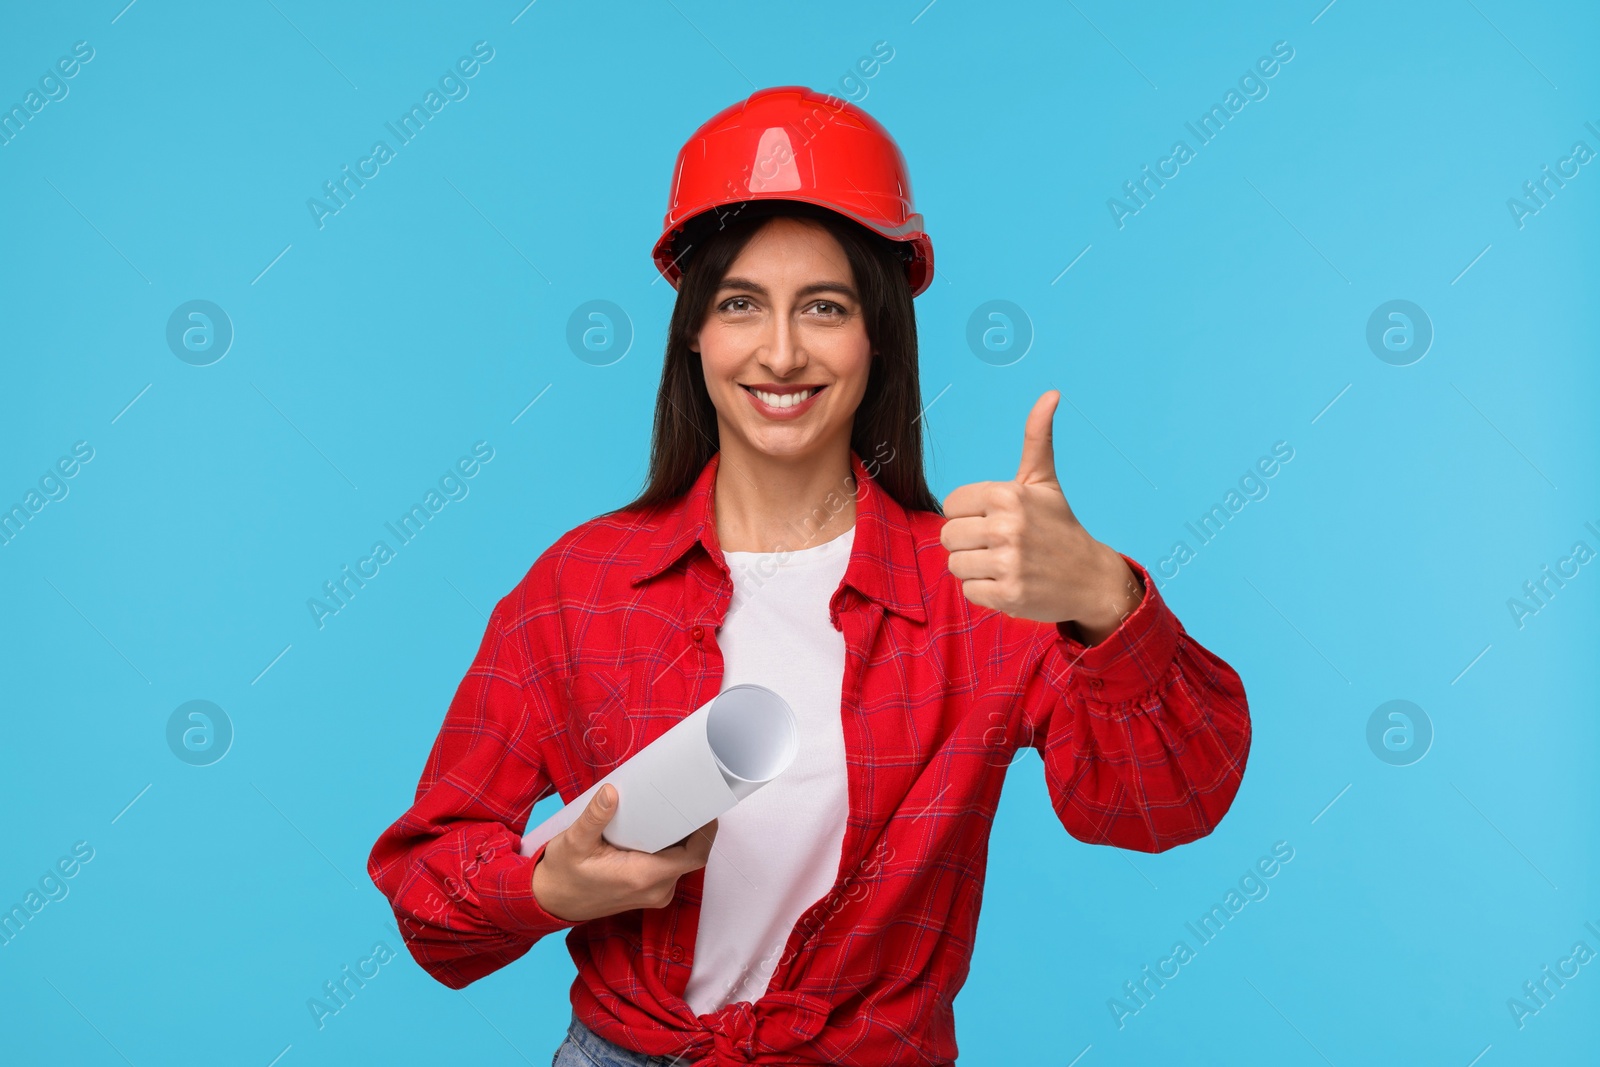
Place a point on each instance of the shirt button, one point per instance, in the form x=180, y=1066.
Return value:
x=697, y=632
x=676, y=953
x=1097, y=683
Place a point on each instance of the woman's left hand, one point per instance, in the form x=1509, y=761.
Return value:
x=1018, y=548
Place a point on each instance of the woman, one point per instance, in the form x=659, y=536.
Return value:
x=786, y=536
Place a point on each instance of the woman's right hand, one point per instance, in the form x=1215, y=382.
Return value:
x=582, y=876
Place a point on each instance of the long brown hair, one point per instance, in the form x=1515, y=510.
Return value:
x=685, y=435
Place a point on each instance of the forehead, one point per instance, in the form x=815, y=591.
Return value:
x=790, y=247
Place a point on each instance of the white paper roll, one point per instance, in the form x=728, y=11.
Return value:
x=722, y=752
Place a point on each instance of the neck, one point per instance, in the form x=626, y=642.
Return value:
x=770, y=503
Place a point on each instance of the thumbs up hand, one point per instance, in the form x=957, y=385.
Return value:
x=1018, y=548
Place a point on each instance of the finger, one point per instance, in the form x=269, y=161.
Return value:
x=967, y=500
x=984, y=592
x=698, y=850
x=1038, y=466
x=960, y=535
x=979, y=563
x=596, y=815
x=691, y=853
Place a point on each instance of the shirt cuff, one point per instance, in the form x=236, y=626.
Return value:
x=1134, y=657
x=508, y=901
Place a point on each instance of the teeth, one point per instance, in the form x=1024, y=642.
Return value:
x=783, y=400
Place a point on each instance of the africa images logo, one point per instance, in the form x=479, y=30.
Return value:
x=452, y=85
x=1252, y=86
x=453, y=485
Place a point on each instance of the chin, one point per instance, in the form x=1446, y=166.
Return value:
x=782, y=442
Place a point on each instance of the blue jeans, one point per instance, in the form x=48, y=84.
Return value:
x=585, y=1048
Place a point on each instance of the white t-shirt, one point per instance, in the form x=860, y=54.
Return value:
x=777, y=852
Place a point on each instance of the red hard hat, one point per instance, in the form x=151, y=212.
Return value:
x=789, y=143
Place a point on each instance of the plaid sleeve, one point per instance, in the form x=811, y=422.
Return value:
x=461, y=891
x=1144, y=736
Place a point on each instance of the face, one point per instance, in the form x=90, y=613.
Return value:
x=784, y=346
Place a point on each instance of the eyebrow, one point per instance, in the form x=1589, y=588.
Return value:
x=808, y=290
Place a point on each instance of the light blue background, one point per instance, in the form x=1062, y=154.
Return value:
x=426, y=315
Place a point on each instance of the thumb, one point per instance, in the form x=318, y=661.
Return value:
x=1038, y=449
x=600, y=810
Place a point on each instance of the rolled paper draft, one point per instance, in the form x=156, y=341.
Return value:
x=718, y=755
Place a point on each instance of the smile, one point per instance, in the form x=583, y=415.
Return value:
x=786, y=403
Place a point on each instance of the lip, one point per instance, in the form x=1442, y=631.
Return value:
x=780, y=414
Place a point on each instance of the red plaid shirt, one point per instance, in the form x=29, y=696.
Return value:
x=612, y=637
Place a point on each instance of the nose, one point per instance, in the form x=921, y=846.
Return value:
x=782, y=351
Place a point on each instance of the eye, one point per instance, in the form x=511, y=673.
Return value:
x=728, y=304
x=829, y=307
